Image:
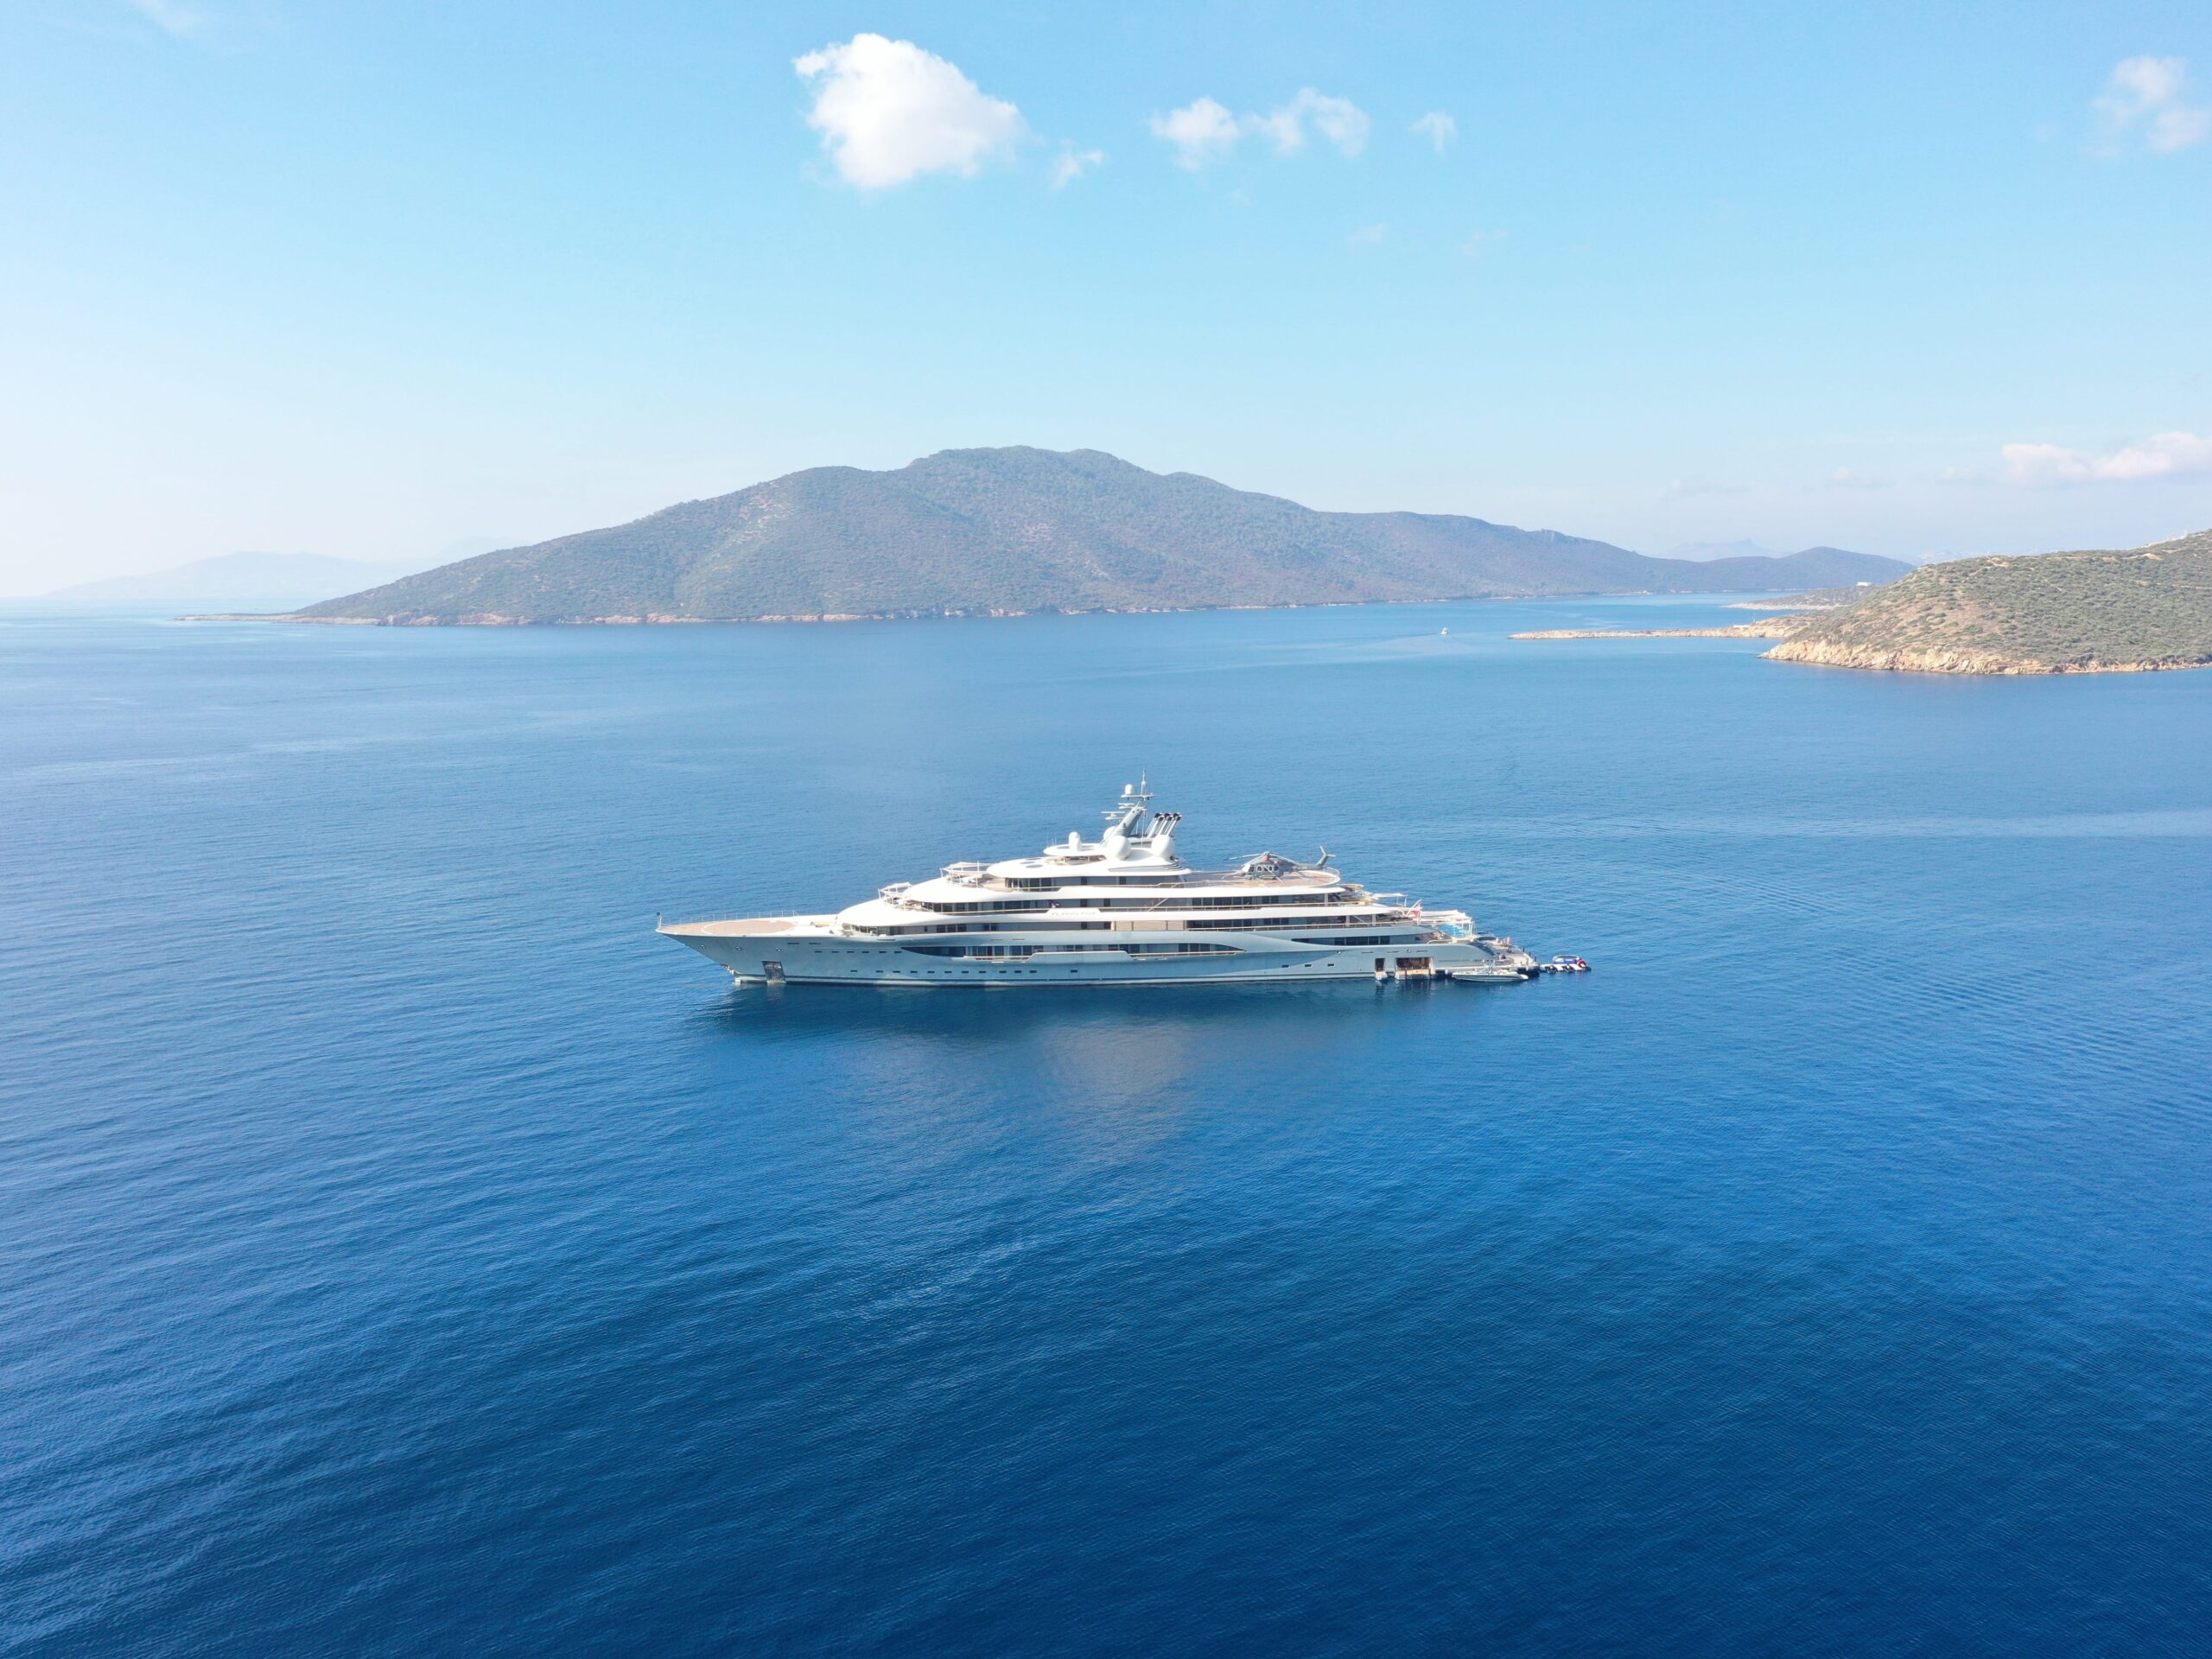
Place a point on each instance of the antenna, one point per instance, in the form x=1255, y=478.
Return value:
x=1138, y=795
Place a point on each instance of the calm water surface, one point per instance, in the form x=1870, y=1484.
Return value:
x=403, y=1251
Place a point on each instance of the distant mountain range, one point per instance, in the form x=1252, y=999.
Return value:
x=227, y=581
x=1705, y=552
x=1014, y=530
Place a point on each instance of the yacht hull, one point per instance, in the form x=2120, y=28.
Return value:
x=791, y=956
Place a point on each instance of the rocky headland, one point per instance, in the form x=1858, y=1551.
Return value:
x=2130, y=611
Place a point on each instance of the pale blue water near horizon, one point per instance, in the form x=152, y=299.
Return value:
x=407, y=1252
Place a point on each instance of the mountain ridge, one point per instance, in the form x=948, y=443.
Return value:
x=1017, y=531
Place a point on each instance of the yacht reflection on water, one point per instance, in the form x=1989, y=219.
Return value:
x=1122, y=910
x=889, y=1011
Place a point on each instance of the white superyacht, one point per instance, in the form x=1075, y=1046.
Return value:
x=1123, y=909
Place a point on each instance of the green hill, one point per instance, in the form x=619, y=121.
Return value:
x=994, y=531
x=2097, y=612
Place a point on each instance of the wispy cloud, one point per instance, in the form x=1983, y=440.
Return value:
x=889, y=111
x=2169, y=454
x=2143, y=100
x=1439, y=128
x=170, y=17
x=1367, y=235
x=1844, y=478
x=1073, y=164
x=1204, y=132
x=1479, y=243
x=1339, y=120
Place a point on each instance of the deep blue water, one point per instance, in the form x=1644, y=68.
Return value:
x=403, y=1251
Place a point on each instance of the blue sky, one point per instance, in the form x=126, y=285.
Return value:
x=375, y=280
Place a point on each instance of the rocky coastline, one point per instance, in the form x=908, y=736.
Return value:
x=1825, y=654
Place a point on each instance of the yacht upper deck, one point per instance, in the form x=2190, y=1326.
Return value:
x=1129, y=883
x=1133, y=865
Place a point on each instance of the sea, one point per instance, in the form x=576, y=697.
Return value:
x=404, y=1251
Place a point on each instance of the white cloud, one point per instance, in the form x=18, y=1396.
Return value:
x=1204, y=130
x=889, y=112
x=170, y=17
x=1073, y=164
x=1439, y=128
x=2143, y=98
x=1367, y=235
x=2170, y=454
x=1479, y=243
x=1339, y=120
x=1844, y=479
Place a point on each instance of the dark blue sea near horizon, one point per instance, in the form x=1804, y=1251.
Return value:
x=403, y=1251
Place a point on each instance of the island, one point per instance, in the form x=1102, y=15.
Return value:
x=1012, y=532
